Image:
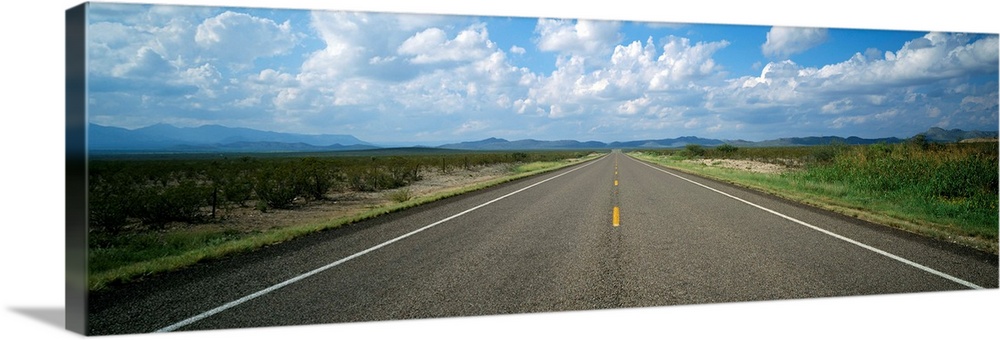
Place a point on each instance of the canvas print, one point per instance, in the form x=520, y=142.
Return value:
x=236, y=167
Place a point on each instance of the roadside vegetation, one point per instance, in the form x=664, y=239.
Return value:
x=947, y=191
x=154, y=214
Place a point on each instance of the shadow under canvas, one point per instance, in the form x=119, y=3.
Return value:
x=53, y=316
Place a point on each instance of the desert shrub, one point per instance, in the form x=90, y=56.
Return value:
x=365, y=178
x=237, y=188
x=277, y=186
x=518, y=157
x=693, y=150
x=402, y=172
x=380, y=174
x=919, y=141
x=316, y=177
x=237, y=180
x=110, y=202
x=726, y=148
x=156, y=190
x=180, y=202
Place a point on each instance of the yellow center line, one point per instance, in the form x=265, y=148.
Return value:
x=616, y=213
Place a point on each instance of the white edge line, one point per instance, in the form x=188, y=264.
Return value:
x=843, y=238
x=241, y=300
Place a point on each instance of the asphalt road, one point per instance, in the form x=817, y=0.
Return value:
x=550, y=243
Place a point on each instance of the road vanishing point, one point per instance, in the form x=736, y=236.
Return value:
x=614, y=232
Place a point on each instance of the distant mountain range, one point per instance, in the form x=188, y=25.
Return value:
x=524, y=144
x=216, y=138
x=531, y=144
x=213, y=138
x=955, y=135
x=932, y=135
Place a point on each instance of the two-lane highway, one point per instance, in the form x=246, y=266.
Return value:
x=610, y=233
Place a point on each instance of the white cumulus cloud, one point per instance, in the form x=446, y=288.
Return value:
x=584, y=37
x=636, y=79
x=432, y=45
x=239, y=38
x=145, y=63
x=785, y=41
x=921, y=84
x=936, y=56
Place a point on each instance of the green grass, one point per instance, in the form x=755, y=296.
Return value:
x=128, y=257
x=535, y=166
x=947, y=192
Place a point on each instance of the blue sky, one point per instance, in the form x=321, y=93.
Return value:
x=425, y=79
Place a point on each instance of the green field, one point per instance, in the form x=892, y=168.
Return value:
x=946, y=191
